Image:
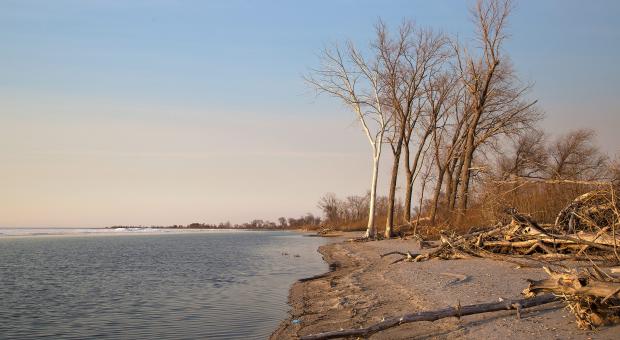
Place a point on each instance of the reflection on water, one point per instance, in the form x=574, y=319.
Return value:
x=222, y=285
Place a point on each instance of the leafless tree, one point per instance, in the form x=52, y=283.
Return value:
x=443, y=93
x=528, y=157
x=576, y=156
x=496, y=99
x=329, y=205
x=417, y=133
x=357, y=206
x=407, y=59
x=282, y=222
x=357, y=81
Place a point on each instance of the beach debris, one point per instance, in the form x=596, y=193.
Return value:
x=584, y=231
x=458, y=311
x=592, y=295
x=408, y=256
x=296, y=321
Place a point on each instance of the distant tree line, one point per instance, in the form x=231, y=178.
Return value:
x=307, y=221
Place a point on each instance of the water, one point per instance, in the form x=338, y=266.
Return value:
x=209, y=285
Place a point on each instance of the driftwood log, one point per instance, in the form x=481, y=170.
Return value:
x=457, y=311
x=525, y=240
x=592, y=296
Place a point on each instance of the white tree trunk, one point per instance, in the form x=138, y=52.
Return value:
x=371, y=231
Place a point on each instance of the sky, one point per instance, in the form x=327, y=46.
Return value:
x=172, y=112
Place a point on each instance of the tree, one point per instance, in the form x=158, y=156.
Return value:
x=329, y=205
x=528, y=157
x=406, y=60
x=576, y=156
x=417, y=119
x=443, y=96
x=495, y=98
x=348, y=75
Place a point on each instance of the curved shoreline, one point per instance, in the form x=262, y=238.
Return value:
x=361, y=288
x=287, y=329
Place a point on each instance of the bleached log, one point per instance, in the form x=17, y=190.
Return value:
x=573, y=284
x=434, y=315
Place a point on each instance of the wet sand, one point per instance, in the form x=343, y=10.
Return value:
x=363, y=288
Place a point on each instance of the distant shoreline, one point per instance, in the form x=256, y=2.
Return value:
x=20, y=233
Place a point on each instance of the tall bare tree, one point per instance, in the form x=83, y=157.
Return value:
x=406, y=60
x=576, y=156
x=417, y=133
x=357, y=81
x=443, y=93
x=496, y=99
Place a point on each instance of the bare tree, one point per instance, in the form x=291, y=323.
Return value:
x=417, y=121
x=357, y=81
x=358, y=207
x=495, y=97
x=329, y=205
x=282, y=222
x=576, y=156
x=406, y=61
x=528, y=157
x=443, y=95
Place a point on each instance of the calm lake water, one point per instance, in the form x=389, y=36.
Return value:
x=210, y=285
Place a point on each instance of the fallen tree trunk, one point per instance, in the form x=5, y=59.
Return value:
x=436, y=315
x=597, y=240
x=573, y=284
x=592, y=296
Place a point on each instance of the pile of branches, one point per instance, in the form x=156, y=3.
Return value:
x=592, y=295
x=591, y=211
x=584, y=231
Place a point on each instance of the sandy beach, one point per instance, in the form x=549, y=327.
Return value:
x=364, y=288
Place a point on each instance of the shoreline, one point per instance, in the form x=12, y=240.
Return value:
x=362, y=288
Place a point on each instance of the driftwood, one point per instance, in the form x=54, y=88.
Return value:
x=525, y=239
x=592, y=296
x=457, y=311
x=572, y=283
x=590, y=210
x=408, y=256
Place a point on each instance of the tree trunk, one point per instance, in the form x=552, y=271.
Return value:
x=389, y=221
x=371, y=231
x=456, y=172
x=468, y=156
x=436, y=193
x=409, y=183
x=449, y=183
x=411, y=172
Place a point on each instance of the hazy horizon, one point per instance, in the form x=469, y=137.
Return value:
x=163, y=112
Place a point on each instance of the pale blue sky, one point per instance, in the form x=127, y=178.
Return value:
x=157, y=112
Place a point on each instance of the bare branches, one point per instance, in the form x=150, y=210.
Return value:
x=574, y=156
x=417, y=90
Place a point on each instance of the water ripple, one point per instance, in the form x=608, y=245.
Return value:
x=215, y=286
